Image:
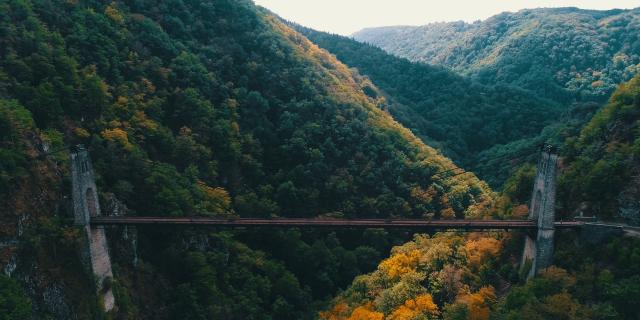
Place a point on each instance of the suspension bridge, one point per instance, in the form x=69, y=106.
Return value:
x=540, y=225
x=408, y=224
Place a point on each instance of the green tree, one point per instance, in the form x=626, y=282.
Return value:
x=14, y=303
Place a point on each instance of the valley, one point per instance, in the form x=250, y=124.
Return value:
x=309, y=155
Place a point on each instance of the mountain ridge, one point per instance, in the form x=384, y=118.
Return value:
x=537, y=49
x=462, y=116
x=540, y=9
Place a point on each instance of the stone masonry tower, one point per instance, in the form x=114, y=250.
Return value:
x=85, y=206
x=538, y=248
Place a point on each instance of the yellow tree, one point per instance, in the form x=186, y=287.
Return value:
x=366, y=313
x=479, y=303
x=421, y=305
x=400, y=263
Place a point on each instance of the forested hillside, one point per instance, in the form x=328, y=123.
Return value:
x=218, y=108
x=601, y=174
x=198, y=108
x=476, y=276
x=564, y=54
x=465, y=117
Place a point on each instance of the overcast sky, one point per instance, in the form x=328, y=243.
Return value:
x=347, y=16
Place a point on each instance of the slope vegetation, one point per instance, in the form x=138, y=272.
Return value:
x=601, y=174
x=448, y=276
x=199, y=108
x=563, y=54
x=463, y=116
x=474, y=278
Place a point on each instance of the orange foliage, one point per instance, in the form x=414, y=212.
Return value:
x=421, y=305
x=81, y=132
x=479, y=303
x=148, y=85
x=401, y=263
x=559, y=275
x=117, y=136
x=338, y=312
x=561, y=306
x=112, y=12
x=423, y=195
x=366, y=313
x=216, y=200
x=520, y=211
x=122, y=102
x=481, y=249
x=447, y=213
x=140, y=118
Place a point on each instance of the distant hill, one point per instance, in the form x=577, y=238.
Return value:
x=564, y=54
x=462, y=116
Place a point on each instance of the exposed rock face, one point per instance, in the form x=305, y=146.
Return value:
x=629, y=202
x=11, y=266
x=48, y=295
x=36, y=196
x=54, y=302
x=199, y=242
x=122, y=239
x=113, y=206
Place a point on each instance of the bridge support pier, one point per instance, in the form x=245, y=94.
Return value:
x=538, y=248
x=86, y=205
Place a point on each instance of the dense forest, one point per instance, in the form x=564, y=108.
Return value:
x=601, y=163
x=199, y=108
x=475, y=276
x=564, y=54
x=456, y=277
x=218, y=108
x=464, y=117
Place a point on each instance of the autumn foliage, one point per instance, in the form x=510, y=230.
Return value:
x=424, y=276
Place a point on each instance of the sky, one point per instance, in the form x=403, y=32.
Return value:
x=348, y=16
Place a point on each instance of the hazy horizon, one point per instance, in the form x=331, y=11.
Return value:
x=347, y=17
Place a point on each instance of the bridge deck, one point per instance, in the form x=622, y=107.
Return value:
x=315, y=222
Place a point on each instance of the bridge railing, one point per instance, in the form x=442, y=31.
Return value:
x=319, y=223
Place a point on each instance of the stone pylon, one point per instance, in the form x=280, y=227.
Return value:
x=86, y=205
x=538, y=248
